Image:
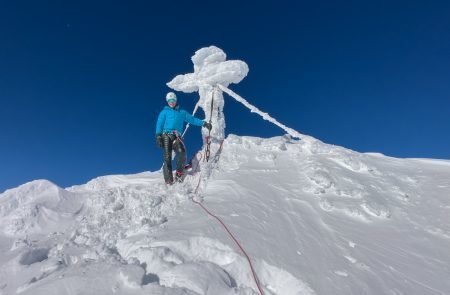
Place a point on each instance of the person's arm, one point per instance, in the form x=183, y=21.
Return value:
x=192, y=120
x=160, y=122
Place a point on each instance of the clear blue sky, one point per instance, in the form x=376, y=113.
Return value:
x=81, y=82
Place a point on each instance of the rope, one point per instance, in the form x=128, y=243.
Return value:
x=182, y=143
x=208, y=138
x=216, y=158
x=255, y=277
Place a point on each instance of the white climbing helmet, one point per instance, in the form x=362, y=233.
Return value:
x=171, y=95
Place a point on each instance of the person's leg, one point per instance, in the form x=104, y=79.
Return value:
x=178, y=147
x=167, y=168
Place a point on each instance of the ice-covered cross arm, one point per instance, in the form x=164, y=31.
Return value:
x=211, y=77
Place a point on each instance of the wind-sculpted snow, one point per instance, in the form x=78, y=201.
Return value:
x=37, y=206
x=340, y=179
x=315, y=219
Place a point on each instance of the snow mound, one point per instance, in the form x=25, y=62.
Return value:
x=37, y=206
x=314, y=218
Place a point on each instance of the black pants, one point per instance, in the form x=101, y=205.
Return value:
x=172, y=143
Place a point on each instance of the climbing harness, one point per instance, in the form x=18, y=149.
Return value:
x=178, y=137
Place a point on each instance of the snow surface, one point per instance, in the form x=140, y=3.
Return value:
x=315, y=219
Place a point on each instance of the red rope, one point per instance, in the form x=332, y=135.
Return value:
x=237, y=243
x=255, y=278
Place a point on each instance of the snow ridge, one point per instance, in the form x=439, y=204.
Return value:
x=315, y=218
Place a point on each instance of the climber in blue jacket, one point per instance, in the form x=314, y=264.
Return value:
x=169, y=128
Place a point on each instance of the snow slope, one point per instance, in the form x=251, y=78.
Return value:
x=315, y=219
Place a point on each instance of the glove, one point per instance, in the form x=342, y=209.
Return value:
x=159, y=140
x=207, y=125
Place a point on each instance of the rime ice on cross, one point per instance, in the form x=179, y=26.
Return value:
x=210, y=70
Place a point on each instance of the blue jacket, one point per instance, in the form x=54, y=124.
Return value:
x=170, y=120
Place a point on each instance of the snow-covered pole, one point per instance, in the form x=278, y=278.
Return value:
x=193, y=113
x=264, y=115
